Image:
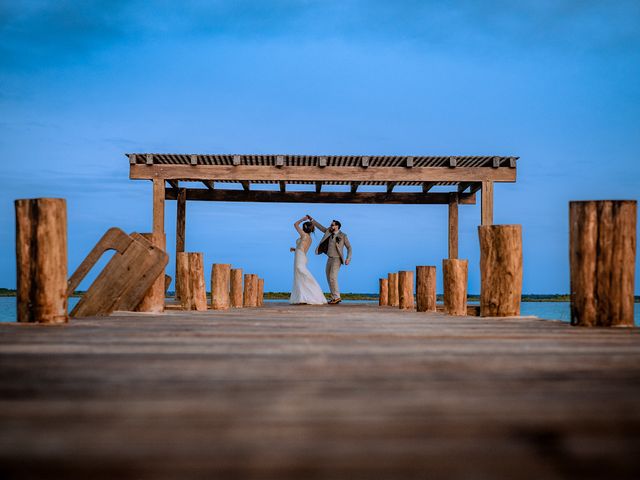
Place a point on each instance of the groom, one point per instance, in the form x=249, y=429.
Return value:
x=332, y=244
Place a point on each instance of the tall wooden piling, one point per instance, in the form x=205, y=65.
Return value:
x=41, y=260
x=193, y=294
x=260, y=292
x=383, y=298
x=250, y=290
x=425, y=288
x=454, y=276
x=236, y=288
x=153, y=300
x=405, y=290
x=392, y=287
x=602, y=253
x=220, y=279
x=500, y=270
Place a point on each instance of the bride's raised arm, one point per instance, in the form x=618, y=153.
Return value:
x=297, y=225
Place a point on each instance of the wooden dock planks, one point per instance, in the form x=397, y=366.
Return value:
x=318, y=392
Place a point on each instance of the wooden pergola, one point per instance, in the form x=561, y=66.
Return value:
x=463, y=176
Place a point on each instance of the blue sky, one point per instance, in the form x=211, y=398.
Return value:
x=554, y=82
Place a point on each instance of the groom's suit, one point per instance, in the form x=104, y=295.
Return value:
x=333, y=246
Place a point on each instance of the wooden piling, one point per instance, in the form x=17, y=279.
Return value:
x=602, y=253
x=220, y=279
x=250, y=290
x=236, y=288
x=260, y=292
x=454, y=273
x=425, y=288
x=153, y=300
x=383, y=298
x=500, y=270
x=392, y=287
x=41, y=260
x=405, y=290
x=193, y=294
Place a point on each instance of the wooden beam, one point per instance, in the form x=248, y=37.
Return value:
x=290, y=173
x=453, y=162
x=463, y=186
x=512, y=162
x=246, y=185
x=181, y=214
x=209, y=184
x=224, y=195
x=132, y=159
x=495, y=163
x=149, y=159
x=475, y=187
x=487, y=203
x=364, y=162
x=237, y=160
x=193, y=159
x=280, y=161
x=322, y=162
x=158, y=206
x=426, y=186
x=390, y=187
x=318, y=187
x=453, y=225
x=409, y=163
x=283, y=186
x=354, y=186
x=173, y=183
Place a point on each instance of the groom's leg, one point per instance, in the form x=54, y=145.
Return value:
x=333, y=265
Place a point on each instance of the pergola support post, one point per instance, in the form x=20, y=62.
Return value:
x=154, y=299
x=181, y=213
x=453, y=225
x=487, y=203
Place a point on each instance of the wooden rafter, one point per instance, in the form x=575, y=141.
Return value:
x=283, y=186
x=354, y=186
x=426, y=186
x=390, y=187
x=318, y=187
x=245, y=185
x=225, y=195
x=209, y=184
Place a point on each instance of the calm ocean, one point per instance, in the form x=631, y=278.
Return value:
x=548, y=310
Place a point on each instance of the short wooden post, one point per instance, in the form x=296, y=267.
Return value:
x=41, y=260
x=153, y=300
x=220, y=278
x=405, y=290
x=383, y=299
x=193, y=294
x=393, y=294
x=182, y=274
x=236, y=287
x=500, y=270
x=250, y=289
x=260, y=292
x=602, y=253
x=454, y=273
x=425, y=288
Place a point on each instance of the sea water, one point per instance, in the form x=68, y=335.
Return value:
x=545, y=310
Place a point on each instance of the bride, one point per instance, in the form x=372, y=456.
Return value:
x=305, y=287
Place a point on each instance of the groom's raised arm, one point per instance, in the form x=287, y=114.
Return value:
x=317, y=225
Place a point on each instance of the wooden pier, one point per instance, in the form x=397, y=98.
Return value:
x=353, y=391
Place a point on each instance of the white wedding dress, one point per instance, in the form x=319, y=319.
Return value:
x=305, y=287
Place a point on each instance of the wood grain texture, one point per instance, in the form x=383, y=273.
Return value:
x=250, y=290
x=454, y=277
x=500, y=270
x=220, y=286
x=334, y=392
x=405, y=290
x=383, y=295
x=41, y=260
x=290, y=173
x=602, y=253
x=486, y=203
x=425, y=288
x=181, y=219
x=236, y=290
x=260, y=292
x=192, y=284
x=394, y=294
x=153, y=300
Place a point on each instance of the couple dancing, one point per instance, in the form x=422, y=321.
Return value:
x=305, y=287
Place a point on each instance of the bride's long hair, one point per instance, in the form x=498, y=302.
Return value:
x=308, y=227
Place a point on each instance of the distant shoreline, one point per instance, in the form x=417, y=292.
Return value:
x=529, y=297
